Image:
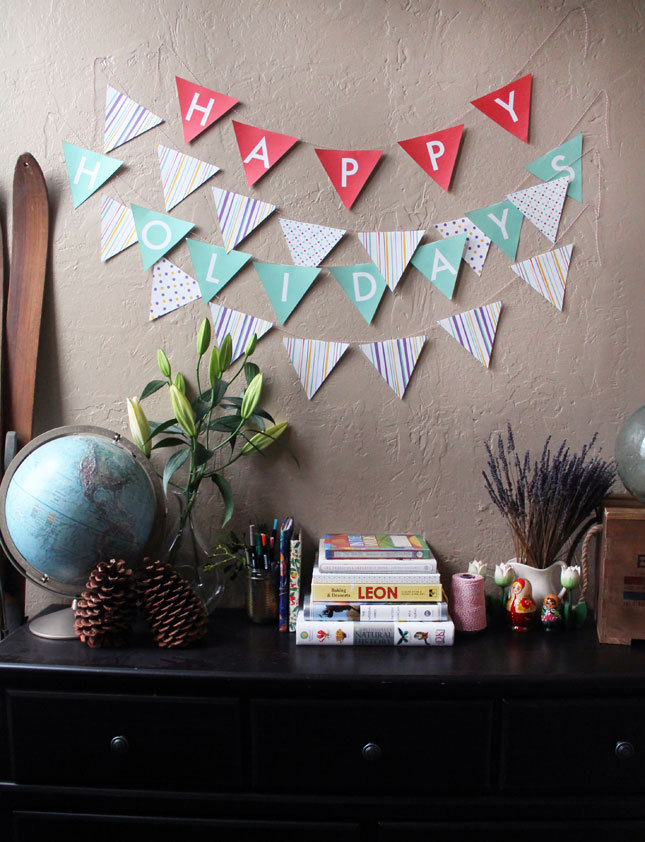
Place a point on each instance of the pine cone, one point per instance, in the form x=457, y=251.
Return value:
x=171, y=607
x=106, y=608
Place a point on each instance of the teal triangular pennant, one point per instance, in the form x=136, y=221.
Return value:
x=214, y=266
x=87, y=171
x=364, y=285
x=565, y=159
x=502, y=222
x=285, y=285
x=440, y=262
x=157, y=233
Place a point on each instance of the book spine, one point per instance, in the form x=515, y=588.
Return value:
x=323, y=592
x=429, y=612
x=295, y=560
x=377, y=565
x=348, y=633
x=386, y=579
x=333, y=552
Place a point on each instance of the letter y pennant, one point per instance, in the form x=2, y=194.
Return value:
x=509, y=106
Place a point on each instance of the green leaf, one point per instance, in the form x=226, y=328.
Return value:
x=170, y=441
x=218, y=392
x=225, y=423
x=173, y=464
x=227, y=495
x=230, y=402
x=250, y=370
x=257, y=421
x=151, y=387
x=165, y=426
x=202, y=454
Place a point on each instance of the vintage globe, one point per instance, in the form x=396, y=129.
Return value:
x=630, y=454
x=73, y=497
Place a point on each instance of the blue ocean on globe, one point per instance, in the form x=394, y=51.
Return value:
x=77, y=500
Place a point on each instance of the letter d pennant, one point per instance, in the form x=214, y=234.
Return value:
x=364, y=285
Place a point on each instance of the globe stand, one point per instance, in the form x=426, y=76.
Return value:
x=57, y=625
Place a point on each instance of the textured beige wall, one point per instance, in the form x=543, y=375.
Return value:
x=352, y=74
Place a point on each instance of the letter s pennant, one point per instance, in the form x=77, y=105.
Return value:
x=348, y=170
x=509, y=106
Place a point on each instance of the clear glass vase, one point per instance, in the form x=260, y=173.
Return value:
x=186, y=548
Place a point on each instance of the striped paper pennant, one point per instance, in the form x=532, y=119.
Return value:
x=395, y=359
x=238, y=215
x=125, y=119
x=391, y=251
x=117, y=228
x=313, y=360
x=477, y=243
x=475, y=330
x=181, y=174
x=171, y=288
x=547, y=273
x=241, y=326
x=309, y=244
x=542, y=205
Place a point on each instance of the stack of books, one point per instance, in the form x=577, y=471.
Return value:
x=375, y=590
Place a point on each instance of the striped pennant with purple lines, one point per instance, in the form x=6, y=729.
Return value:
x=238, y=215
x=313, y=360
x=391, y=251
x=181, y=174
x=117, y=228
x=125, y=119
x=547, y=273
x=241, y=326
x=475, y=330
x=395, y=359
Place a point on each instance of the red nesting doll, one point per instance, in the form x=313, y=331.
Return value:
x=520, y=606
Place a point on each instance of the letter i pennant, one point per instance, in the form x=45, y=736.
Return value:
x=200, y=107
x=475, y=330
x=509, y=107
x=260, y=149
x=87, y=171
x=313, y=360
x=436, y=153
x=395, y=359
x=285, y=285
x=348, y=170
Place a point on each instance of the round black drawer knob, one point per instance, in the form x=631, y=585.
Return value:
x=372, y=752
x=119, y=745
x=624, y=750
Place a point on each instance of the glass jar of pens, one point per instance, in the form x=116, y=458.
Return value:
x=269, y=574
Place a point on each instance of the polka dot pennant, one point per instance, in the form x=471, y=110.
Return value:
x=309, y=244
x=477, y=243
x=171, y=288
x=542, y=205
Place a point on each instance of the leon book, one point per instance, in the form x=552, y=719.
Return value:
x=381, y=545
x=367, y=592
x=348, y=633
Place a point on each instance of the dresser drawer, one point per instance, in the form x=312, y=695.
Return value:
x=327, y=746
x=108, y=740
x=574, y=745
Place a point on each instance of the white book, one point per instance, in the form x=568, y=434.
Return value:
x=348, y=633
x=319, y=577
x=374, y=565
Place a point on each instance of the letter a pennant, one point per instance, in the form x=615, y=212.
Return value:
x=391, y=251
x=214, y=267
x=117, y=228
x=436, y=153
x=475, y=330
x=348, y=170
x=171, y=288
x=502, y=222
x=566, y=158
x=509, y=107
x=395, y=359
x=364, y=285
x=542, y=205
x=241, y=326
x=181, y=174
x=87, y=171
x=238, y=215
x=260, y=149
x=547, y=273
x=285, y=285
x=313, y=360
x=157, y=233
x=125, y=119
x=440, y=262
x=200, y=107
x=309, y=244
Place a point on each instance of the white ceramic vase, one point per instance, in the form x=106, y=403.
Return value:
x=543, y=582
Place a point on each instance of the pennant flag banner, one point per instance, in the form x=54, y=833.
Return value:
x=542, y=205
x=501, y=222
x=238, y=215
x=547, y=273
x=181, y=174
x=117, y=228
x=313, y=360
x=395, y=360
x=509, y=107
x=391, y=251
x=171, y=289
x=475, y=330
x=157, y=233
x=364, y=285
x=348, y=170
x=87, y=171
x=477, y=243
x=260, y=149
x=285, y=285
x=439, y=262
x=214, y=267
x=309, y=244
x=566, y=158
x=241, y=326
x=436, y=153
x=200, y=107
x=125, y=119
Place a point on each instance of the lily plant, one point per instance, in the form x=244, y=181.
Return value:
x=210, y=429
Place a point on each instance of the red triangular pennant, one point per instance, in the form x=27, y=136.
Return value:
x=509, y=106
x=348, y=170
x=200, y=107
x=260, y=149
x=436, y=153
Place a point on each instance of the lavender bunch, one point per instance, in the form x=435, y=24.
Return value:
x=547, y=502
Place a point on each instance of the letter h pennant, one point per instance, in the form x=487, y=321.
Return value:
x=200, y=107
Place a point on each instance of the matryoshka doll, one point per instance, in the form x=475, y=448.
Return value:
x=520, y=606
x=551, y=614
